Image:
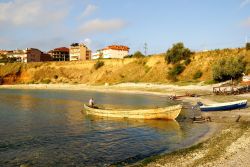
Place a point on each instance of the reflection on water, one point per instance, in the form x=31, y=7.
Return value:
x=159, y=125
x=46, y=128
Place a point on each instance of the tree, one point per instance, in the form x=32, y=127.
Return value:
x=6, y=59
x=177, y=53
x=228, y=68
x=138, y=54
x=248, y=46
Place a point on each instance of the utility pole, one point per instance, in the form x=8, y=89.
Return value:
x=145, y=48
x=246, y=39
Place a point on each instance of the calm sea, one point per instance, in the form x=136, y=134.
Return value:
x=49, y=128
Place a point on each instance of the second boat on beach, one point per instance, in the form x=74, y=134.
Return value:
x=223, y=106
x=169, y=113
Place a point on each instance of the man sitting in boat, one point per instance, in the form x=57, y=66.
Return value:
x=91, y=102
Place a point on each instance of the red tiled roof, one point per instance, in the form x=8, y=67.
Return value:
x=62, y=49
x=117, y=47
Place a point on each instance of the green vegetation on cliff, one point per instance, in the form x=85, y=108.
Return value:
x=228, y=68
x=177, y=53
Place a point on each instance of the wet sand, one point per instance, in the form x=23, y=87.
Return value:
x=228, y=147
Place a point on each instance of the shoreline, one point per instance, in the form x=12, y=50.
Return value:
x=138, y=88
x=205, y=93
x=221, y=120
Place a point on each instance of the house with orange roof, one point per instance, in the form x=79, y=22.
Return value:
x=111, y=52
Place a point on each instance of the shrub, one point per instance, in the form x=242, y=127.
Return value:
x=197, y=75
x=55, y=76
x=177, y=53
x=187, y=61
x=175, y=71
x=98, y=65
x=31, y=82
x=128, y=56
x=122, y=76
x=228, y=68
x=247, y=69
x=138, y=54
x=46, y=81
x=248, y=46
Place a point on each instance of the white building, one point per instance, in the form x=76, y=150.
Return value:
x=97, y=55
x=113, y=51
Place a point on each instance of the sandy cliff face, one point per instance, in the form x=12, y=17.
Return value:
x=150, y=69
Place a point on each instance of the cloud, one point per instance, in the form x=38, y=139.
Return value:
x=34, y=23
x=47, y=43
x=46, y=24
x=102, y=26
x=87, y=41
x=89, y=10
x=246, y=23
x=32, y=12
x=244, y=3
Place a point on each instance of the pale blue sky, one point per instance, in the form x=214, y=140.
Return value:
x=200, y=24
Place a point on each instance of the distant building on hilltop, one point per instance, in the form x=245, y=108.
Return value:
x=45, y=57
x=59, y=54
x=28, y=55
x=113, y=51
x=79, y=52
x=3, y=52
x=97, y=55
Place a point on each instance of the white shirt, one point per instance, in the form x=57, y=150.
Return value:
x=91, y=102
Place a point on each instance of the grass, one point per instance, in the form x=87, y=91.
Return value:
x=186, y=83
x=8, y=69
x=45, y=81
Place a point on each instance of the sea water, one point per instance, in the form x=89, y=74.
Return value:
x=50, y=128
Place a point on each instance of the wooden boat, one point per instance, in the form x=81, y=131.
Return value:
x=224, y=106
x=159, y=113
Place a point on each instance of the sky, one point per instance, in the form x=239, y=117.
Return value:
x=199, y=24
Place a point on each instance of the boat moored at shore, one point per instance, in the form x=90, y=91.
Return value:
x=169, y=113
x=223, y=106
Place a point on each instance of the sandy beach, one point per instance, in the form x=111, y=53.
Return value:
x=226, y=144
x=133, y=88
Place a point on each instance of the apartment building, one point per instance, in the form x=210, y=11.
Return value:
x=59, y=54
x=112, y=51
x=28, y=55
x=79, y=52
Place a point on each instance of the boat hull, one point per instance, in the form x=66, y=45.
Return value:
x=169, y=113
x=225, y=106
